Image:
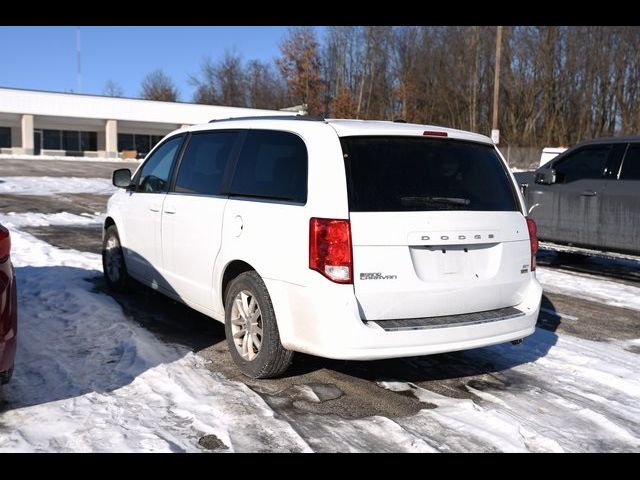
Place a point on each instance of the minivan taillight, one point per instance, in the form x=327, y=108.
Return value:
x=330, y=249
x=533, y=239
x=5, y=243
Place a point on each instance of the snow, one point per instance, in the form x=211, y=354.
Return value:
x=89, y=379
x=585, y=398
x=13, y=220
x=55, y=185
x=589, y=287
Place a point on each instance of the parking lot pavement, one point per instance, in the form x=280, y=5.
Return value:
x=395, y=389
x=85, y=238
x=17, y=167
x=76, y=203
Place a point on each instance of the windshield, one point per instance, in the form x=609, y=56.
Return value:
x=389, y=174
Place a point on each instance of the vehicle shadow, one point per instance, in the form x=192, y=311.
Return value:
x=466, y=363
x=78, y=337
x=75, y=337
x=170, y=320
x=625, y=269
x=358, y=389
x=175, y=322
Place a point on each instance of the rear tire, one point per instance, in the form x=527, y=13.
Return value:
x=113, y=265
x=251, y=328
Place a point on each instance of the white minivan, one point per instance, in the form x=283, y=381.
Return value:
x=346, y=239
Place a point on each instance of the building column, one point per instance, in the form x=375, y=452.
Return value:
x=27, y=134
x=111, y=138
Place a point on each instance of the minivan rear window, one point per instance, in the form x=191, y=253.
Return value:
x=272, y=165
x=397, y=174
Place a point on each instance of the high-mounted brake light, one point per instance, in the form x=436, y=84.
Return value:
x=533, y=240
x=431, y=133
x=330, y=249
x=5, y=243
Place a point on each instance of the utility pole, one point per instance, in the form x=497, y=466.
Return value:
x=495, y=133
x=78, y=59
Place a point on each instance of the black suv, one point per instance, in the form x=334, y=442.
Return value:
x=589, y=196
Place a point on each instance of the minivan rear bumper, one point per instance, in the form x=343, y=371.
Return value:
x=325, y=321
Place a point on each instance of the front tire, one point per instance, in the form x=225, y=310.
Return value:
x=251, y=329
x=113, y=265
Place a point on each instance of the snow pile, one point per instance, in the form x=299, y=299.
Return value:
x=12, y=220
x=581, y=396
x=87, y=379
x=548, y=394
x=44, y=186
x=589, y=287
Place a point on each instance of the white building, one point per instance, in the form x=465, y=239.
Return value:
x=51, y=123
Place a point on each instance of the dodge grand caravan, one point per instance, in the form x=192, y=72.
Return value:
x=345, y=239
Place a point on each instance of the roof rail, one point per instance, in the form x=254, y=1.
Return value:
x=307, y=118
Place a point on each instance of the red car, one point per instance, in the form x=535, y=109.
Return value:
x=8, y=308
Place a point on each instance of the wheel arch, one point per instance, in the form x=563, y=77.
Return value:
x=108, y=222
x=111, y=221
x=231, y=271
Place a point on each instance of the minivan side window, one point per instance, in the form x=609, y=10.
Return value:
x=588, y=162
x=272, y=165
x=631, y=165
x=204, y=162
x=154, y=175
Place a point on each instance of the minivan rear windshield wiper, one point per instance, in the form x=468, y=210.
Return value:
x=435, y=200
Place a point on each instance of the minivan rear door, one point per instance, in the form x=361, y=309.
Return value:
x=573, y=204
x=192, y=216
x=620, y=225
x=437, y=227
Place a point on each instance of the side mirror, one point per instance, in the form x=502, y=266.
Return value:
x=122, y=178
x=546, y=177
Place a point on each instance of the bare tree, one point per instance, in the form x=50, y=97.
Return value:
x=558, y=84
x=300, y=66
x=265, y=88
x=223, y=82
x=112, y=89
x=206, y=84
x=158, y=86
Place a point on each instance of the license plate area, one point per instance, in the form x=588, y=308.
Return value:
x=455, y=262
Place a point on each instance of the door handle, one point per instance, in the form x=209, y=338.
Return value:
x=169, y=210
x=588, y=193
x=154, y=208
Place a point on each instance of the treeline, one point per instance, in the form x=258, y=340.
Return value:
x=558, y=85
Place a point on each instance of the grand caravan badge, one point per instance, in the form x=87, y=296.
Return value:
x=377, y=276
